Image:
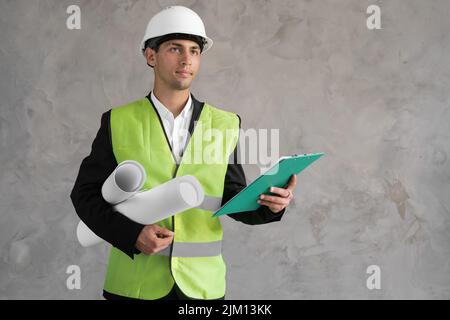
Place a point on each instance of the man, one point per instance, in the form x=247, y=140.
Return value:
x=180, y=257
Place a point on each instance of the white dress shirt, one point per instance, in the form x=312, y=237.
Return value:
x=177, y=129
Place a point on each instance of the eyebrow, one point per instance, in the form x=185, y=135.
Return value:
x=180, y=45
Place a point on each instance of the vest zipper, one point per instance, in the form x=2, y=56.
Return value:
x=173, y=240
x=195, y=116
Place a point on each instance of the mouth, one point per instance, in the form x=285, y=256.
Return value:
x=184, y=74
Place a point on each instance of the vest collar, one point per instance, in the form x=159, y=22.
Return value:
x=198, y=107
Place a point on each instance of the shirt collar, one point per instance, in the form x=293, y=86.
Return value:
x=166, y=113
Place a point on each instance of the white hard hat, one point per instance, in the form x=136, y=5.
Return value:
x=176, y=19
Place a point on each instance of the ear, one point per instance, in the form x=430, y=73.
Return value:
x=150, y=56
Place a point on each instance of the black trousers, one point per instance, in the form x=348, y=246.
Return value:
x=174, y=294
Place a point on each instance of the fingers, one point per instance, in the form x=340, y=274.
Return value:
x=163, y=238
x=154, y=239
x=272, y=206
x=281, y=197
x=164, y=233
x=274, y=199
x=292, y=182
x=286, y=192
x=161, y=230
x=280, y=191
x=164, y=242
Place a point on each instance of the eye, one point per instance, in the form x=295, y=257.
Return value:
x=195, y=52
x=174, y=49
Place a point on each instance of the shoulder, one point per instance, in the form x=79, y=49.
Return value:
x=131, y=105
x=218, y=113
x=223, y=114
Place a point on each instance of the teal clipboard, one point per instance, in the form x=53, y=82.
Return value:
x=276, y=176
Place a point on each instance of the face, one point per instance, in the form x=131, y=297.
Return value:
x=176, y=63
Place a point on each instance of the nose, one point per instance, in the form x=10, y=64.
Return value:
x=186, y=59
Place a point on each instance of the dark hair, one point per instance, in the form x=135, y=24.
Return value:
x=154, y=43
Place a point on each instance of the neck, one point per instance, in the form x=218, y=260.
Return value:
x=174, y=100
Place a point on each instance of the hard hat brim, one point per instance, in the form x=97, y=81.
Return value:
x=208, y=42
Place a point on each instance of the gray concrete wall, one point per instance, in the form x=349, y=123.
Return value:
x=375, y=101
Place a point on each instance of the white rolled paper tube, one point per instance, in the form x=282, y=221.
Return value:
x=167, y=199
x=86, y=237
x=156, y=204
x=124, y=182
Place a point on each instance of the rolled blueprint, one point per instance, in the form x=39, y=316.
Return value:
x=153, y=205
x=123, y=183
x=86, y=237
x=163, y=201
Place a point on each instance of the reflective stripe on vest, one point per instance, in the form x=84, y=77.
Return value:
x=210, y=203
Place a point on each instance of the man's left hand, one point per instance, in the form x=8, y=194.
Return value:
x=282, y=197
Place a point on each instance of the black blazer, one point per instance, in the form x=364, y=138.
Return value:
x=114, y=227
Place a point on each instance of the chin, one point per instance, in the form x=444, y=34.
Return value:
x=182, y=85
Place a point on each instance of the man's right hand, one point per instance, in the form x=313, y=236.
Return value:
x=153, y=239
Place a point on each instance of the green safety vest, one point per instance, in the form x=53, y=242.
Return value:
x=194, y=260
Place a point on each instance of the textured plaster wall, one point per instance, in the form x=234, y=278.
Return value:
x=375, y=101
